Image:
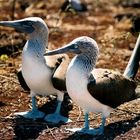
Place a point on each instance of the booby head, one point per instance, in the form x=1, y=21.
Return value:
x=26, y=25
x=79, y=45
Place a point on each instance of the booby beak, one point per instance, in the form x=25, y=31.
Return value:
x=21, y=25
x=73, y=48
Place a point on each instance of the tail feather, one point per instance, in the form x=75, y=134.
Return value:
x=133, y=64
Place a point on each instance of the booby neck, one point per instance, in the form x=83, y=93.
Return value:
x=84, y=62
x=37, y=42
x=80, y=68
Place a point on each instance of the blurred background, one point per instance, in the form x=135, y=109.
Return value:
x=109, y=22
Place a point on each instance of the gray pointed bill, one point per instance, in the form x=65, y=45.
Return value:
x=21, y=25
x=72, y=48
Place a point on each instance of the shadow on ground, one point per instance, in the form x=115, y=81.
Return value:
x=111, y=131
x=28, y=129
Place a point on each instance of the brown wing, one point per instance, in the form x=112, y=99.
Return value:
x=58, y=79
x=111, y=88
x=22, y=81
x=58, y=64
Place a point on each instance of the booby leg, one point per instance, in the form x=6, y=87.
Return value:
x=56, y=117
x=34, y=113
x=86, y=129
x=101, y=128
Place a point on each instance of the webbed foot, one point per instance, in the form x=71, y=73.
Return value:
x=34, y=114
x=56, y=118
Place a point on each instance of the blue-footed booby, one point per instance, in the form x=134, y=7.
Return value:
x=38, y=70
x=94, y=90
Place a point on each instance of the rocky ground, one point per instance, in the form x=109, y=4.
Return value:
x=109, y=22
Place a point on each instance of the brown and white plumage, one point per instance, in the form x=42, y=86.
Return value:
x=97, y=90
x=111, y=87
x=58, y=64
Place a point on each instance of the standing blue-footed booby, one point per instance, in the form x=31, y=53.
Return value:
x=94, y=90
x=38, y=70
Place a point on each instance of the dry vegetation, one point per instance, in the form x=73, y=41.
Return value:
x=106, y=21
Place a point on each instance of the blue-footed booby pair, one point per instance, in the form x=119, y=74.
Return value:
x=37, y=70
x=95, y=90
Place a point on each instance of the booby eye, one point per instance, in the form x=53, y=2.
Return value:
x=76, y=46
x=27, y=23
x=30, y=23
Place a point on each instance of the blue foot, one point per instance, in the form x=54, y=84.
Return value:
x=34, y=114
x=56, y=118
x=89, y=131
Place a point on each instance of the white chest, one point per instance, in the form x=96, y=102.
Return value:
x=36, y=73
x=76, y=82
